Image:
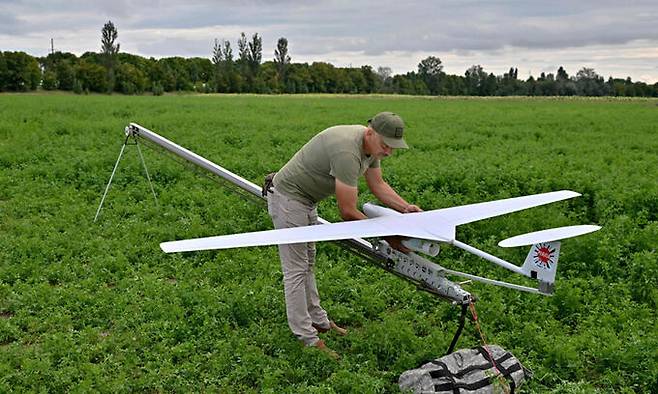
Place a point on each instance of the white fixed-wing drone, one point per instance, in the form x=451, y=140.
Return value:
x=424, y=231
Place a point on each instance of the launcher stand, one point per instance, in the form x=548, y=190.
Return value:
x=135, y=142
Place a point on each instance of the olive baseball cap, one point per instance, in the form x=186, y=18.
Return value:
x=390, y=127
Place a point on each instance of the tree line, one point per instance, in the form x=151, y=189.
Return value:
x=245, y=72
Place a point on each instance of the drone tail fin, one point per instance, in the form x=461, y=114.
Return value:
x=541, y=264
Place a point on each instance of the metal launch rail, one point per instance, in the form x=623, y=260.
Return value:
x=425, y=274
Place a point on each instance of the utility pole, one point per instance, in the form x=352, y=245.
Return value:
x=52, y=46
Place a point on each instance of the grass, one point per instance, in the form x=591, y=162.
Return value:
x=97, y=307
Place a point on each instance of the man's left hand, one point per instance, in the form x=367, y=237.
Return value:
x=412, y=208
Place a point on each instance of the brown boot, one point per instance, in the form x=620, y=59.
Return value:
x=332, y=326
x=322, y=347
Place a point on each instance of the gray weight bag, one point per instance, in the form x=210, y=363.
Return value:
x=468, y=371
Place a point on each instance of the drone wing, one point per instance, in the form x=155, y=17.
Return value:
x=484, y=210
x=377, y=227
x=437, y=225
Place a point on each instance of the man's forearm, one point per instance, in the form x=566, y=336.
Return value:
x=390, y=197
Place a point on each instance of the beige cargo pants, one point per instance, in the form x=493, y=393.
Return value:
x=297, y=260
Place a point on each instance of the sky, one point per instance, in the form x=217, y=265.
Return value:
x=615, y=38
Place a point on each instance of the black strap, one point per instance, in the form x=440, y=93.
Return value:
x=440, y=373
x=454, y=386
x=444, y=372
x=507, y=374
x=487, y=365
x=462, y=319
x=484, y=353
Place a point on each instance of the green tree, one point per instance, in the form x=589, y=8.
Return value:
x=217, y=54
x=22, y=72
x=243, y=49
x=109, y=51
x=92, y=76
x=243, y=61
x=4, y=73
x=546, y=85
x=562, y=74
x=77, y=87
x=589, y=83
x=531, y=86
x=409, y=83
x=200, y=71
x=49, y=81
x=385, y=78
x=509, y=84
x=299, y=78
x=370, y=79
x=342, y=83
x=53, y=59
x=323, y=77
x=176, y=74
x=255, y=53
x=455, y=85
x=476, y=80
x=130, y=79
x=254, y=57
x=229, y=68
x=65, y=75
x=490, y=85
x=58, y=65
x=160, y=74
x=282, y=60
x=430, y=70
x=223, y=67
x=268, y=80
x=565, y=86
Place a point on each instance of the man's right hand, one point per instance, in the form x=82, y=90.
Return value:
x=412, y=208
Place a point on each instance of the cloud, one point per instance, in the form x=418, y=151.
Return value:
x=347, y=30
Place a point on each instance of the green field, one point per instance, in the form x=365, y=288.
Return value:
x=90, y=306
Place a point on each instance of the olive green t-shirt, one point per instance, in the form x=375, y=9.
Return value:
x=335, y=153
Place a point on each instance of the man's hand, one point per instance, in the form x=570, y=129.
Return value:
x=396, y=243
x=412, y=208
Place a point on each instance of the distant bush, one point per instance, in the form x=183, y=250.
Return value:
x=49, y=81
x=77, y=87
x=157, y=89
x=19, y=72
x=92, y=76
x=129, y=79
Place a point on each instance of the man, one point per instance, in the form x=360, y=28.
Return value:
x=330, y=163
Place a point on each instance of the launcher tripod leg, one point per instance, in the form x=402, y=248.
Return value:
x=146, y=171
x=116, y=165
x=462, y=320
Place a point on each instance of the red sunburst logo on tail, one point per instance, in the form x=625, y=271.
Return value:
x=543, y=256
